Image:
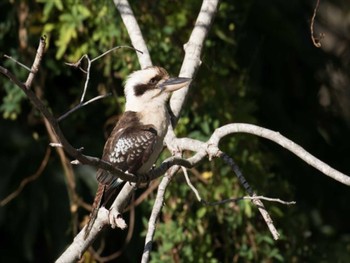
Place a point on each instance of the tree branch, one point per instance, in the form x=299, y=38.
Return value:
x=315, y=40
x=157, y=208
x=193, y=50
x=87, y=79
x=134, y=32
x=201, y=148
x=35, y=67
x=282, y=141
x=230, y=200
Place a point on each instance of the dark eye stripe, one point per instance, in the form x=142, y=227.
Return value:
x=140, y=89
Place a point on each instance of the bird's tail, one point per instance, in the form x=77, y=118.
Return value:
x=95, y=207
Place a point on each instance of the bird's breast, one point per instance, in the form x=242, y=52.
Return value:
x=158, y=117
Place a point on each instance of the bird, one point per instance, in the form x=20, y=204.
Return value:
x=137, y=138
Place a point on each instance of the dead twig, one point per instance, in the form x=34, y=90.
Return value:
x=315, y=40
x=80, y=105
x=257, y=197
x=28, y=179
x=87, y=72
x=35, y=67
x=17, y=62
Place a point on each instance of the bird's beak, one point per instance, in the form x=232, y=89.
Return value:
x=173, y=84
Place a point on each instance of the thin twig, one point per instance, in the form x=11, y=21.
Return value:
x=80, y=105
x=315, y=40
x=17, y=62
x=35, y=67
x=195, y=191
x=29, y=179
x=87, y=80
x=68, y=173
x=257, y=202
x=259, y=197
x=78, y=63
x=112, y=49
x=199, y=198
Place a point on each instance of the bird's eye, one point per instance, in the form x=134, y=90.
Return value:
x=153, y=81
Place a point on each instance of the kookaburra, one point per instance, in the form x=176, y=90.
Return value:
x=137, y=139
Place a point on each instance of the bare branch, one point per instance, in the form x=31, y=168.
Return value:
x=75, y=251
x=193, y=49
x=17, y=62
x=230, y=200
x=198, y=147
x=315, y=40
x=112, y=49
x=188, y=181
x=259, y=197
x=255, y=201
x=284, y=142
x=157, y=207
x=80, y=105
x=126, y=242
x=87, y=72
x=37, y=60
x=134, y=32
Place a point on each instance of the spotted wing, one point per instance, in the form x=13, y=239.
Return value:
x=128, y=149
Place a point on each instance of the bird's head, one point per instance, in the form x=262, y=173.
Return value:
x=150, y=87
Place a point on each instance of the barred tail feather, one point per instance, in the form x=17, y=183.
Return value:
x=95, y=207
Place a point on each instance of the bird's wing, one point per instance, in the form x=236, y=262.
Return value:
x=128, y=149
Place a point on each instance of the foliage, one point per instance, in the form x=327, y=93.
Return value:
x=255, y=70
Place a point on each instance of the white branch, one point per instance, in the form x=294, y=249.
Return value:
x=79, y=245
x=193, y=49
x=157, y=207
x=194, y=189
x=201, y=148
x=284, y=142
x=134, y=32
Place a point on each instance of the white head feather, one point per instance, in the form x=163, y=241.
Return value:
x=151, y=98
